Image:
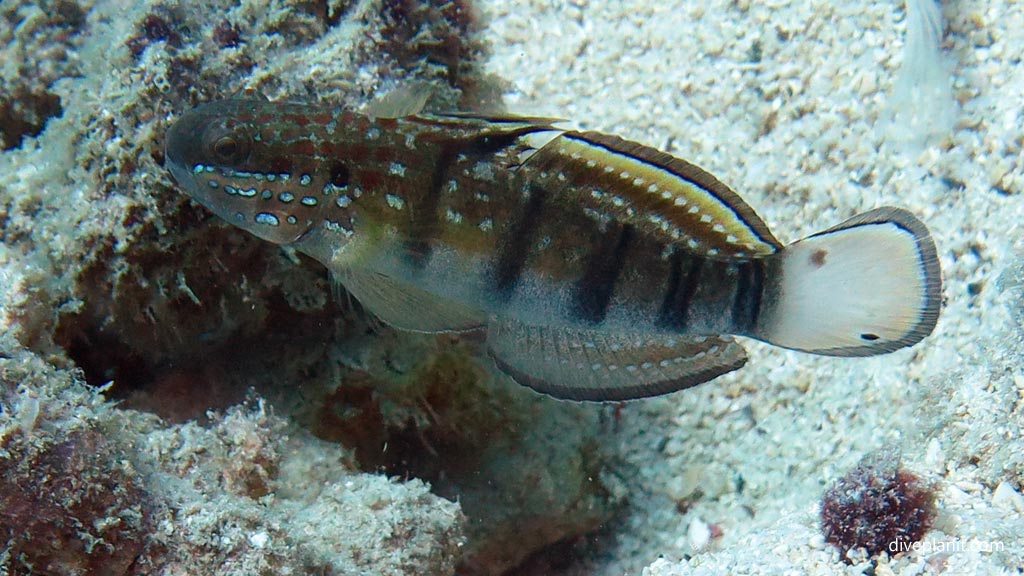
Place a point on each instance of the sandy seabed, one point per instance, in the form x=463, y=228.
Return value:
x=800, y=107
x=812, y=111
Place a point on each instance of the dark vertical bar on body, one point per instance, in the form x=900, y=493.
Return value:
x=426, y=213
x=594, y=289
x=426, y=218
x=516, y=243
x=684, y=277
x=747, y=300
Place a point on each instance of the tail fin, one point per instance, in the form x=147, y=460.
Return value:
x=867, y=286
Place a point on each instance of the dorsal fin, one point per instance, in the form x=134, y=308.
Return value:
x=499, y=118
x=669, y=197
x=579, y=364
x=499, y=130
x=403, y=101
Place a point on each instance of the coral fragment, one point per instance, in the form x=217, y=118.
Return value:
x=877, y=506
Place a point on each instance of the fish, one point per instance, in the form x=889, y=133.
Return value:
x=596, y=268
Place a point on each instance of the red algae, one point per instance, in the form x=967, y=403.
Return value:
x=877, y=506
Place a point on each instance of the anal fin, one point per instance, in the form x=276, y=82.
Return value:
x=579, y=364
x=407, y=307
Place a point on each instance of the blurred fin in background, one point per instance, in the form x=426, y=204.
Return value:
x=921, y=109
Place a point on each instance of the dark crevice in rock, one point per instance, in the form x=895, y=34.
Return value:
x=25, y=112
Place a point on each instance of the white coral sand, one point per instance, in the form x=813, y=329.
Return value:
x=791, y=103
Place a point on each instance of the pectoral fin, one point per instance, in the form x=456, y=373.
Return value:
x=577, y=364
x=407, y=307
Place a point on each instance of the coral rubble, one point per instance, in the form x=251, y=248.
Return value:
x=109, y=277
x=91, y=488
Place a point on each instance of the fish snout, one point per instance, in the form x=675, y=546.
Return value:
x=182, y=150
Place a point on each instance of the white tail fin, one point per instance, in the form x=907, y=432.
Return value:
x=867, y=286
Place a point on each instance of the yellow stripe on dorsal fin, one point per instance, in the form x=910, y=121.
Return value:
x=579, y=364
x=653, y=189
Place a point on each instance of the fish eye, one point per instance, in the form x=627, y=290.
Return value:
x=232, y=147
x=225, y=147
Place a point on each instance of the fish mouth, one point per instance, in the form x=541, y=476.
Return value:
x=183, y=157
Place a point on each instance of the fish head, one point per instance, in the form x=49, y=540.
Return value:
x=218, y=157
